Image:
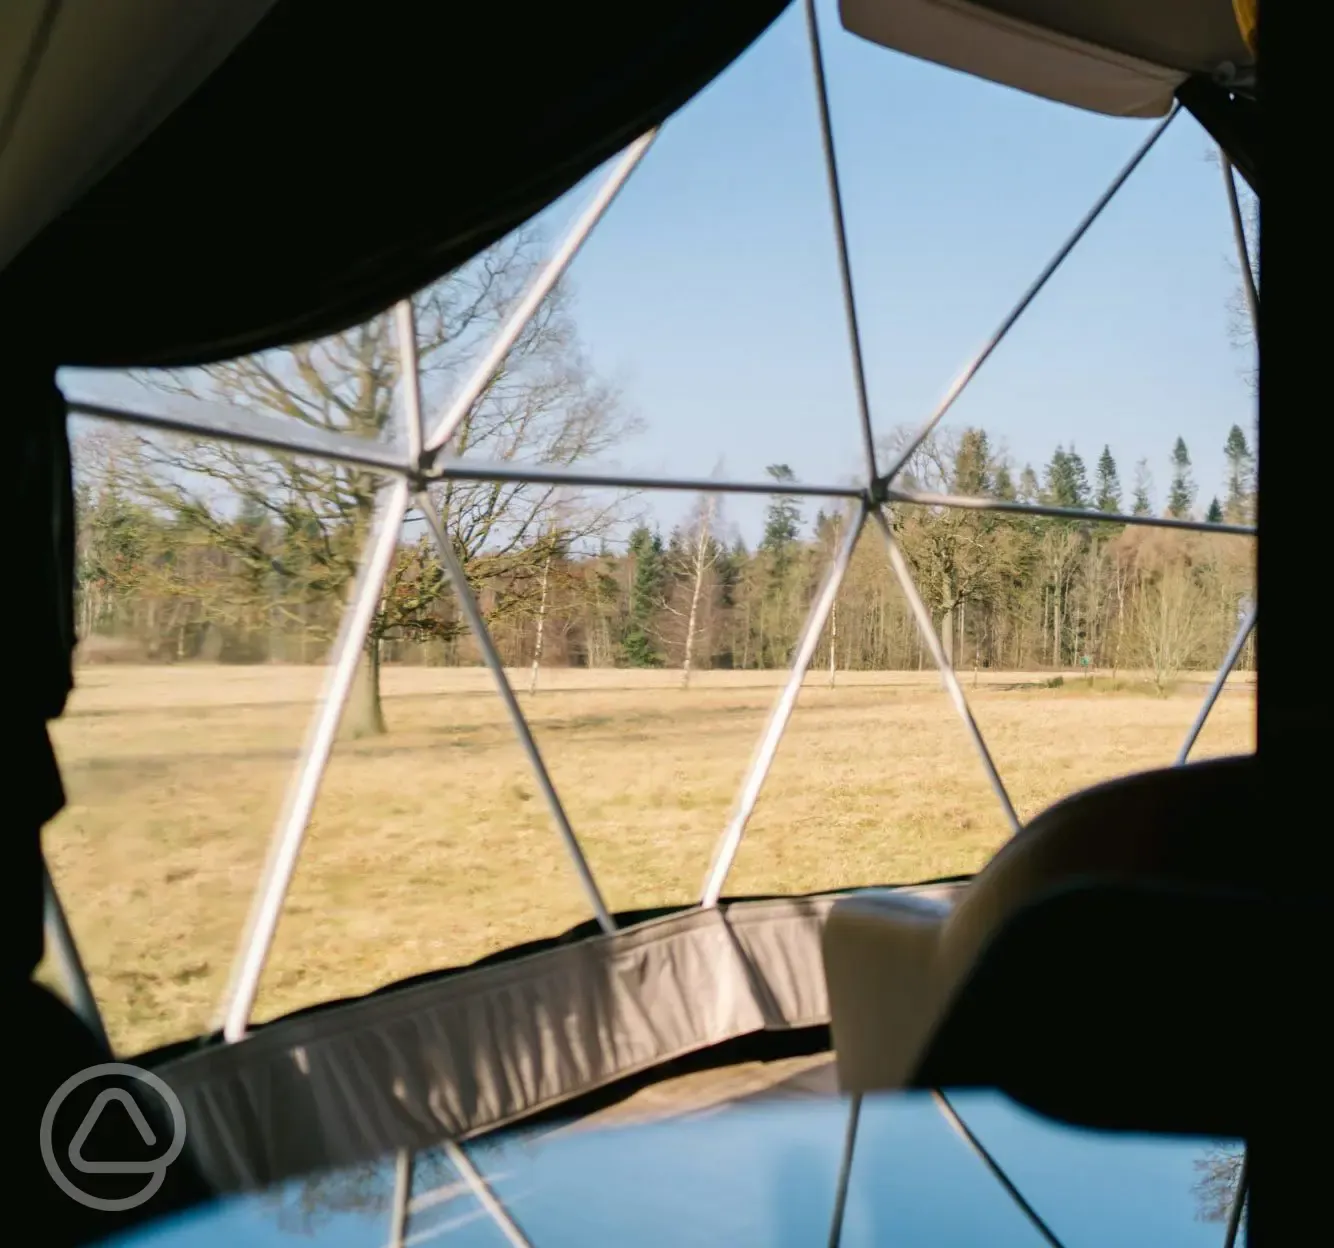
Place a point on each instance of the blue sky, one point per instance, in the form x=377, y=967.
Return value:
x=710, y=291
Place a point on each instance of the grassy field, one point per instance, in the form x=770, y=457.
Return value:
x=431, y=846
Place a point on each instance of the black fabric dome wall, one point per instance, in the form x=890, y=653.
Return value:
x=347, y=154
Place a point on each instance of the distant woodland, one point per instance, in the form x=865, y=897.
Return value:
x=203, y=552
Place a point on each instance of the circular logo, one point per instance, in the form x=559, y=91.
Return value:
x=155, y=1168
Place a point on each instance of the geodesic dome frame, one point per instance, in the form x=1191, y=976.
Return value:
x=407, y=1067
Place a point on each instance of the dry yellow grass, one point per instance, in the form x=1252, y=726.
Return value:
x=431, y=846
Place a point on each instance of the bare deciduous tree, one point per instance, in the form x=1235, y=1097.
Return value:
x=1219, y=1180
x=544, y=593
x=1165, y=617
x=836, y=532
x=309, y=519
x=701, y=553
x=956, y=555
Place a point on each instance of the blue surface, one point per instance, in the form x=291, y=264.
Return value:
x=760, y=1174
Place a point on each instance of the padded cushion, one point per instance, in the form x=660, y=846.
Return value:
x=1088, y=969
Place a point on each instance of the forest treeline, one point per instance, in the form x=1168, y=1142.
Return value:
x=255, y=568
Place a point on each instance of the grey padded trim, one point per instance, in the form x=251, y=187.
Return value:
x=976, y=39
x=488, y=1047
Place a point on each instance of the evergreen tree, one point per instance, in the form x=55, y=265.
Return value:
x=638, y=648
x=1028, y=485
x=1067, y=480
x=1109, y=483
x=1215, y=513
x=1079, y=478
x=972, y=464
x=1181, y=494
x=677, y=545
x=1240, y=476
x=782, y=524
x=729, y=570
x=116, y=540
x=1004, y=483
x=1143, y=504
x=782, y=520
x=1057, y=480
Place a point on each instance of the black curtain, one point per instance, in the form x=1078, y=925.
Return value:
x=347, y=154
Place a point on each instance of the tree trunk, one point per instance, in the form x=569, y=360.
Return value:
x=1120, y=623
x=947, y=634
x=1046, y=650
x=690, y=629
x=833, y=644
x=701, y=566
x=541, y=625
x=363, y=716
x=1056, y=623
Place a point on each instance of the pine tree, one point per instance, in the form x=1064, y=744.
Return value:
x=637, y=646
x=1215, y=513
x=782, y=520
x=1028, y=485
x=1067, y=480
x=1079, y=478
x=782, y=524
x=115, y=544
x=731, y=566
x=1057, y=479
x=1181, y=494
x=972, y=464
x=1109, y=483
x=1240, y=476
x=1004, y=483
x=1143, y=504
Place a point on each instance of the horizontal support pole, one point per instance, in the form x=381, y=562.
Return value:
x=229, y=423
x=967, y=502
x=555, y=474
